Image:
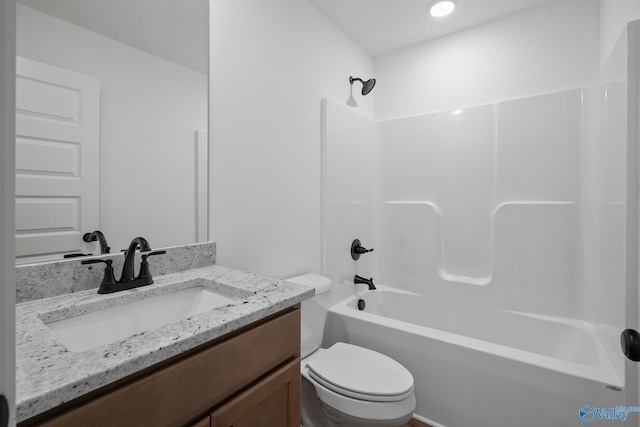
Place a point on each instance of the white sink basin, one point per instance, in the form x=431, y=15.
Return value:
x=109, y=325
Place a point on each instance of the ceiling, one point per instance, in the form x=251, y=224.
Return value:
x=174, y=30
x=382, y=26
x=166, y=28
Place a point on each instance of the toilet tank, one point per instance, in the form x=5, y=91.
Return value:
x=314, y=311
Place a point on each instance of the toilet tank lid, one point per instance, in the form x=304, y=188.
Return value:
x=320, y=283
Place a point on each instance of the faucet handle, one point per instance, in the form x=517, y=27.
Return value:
x=357, y=250
x=109, y=262
x=144, y=266
x=109, y=278
x=76, y=255
x=145, y=256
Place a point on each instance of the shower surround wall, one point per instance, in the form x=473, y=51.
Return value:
x=481, y=203
x=514, y=205
x=349, y=194
x=523, y=198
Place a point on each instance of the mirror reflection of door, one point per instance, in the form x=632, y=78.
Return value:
x=151, y=58
x=57, y=160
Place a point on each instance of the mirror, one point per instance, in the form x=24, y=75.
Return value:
x=111, y=124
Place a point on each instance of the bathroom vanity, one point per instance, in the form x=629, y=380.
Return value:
x=237, y=364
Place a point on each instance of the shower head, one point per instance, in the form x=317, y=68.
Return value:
x=366, y=86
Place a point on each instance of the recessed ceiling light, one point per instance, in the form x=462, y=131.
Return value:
x=439, y=8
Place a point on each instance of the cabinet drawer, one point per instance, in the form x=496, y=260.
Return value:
x=175, y=395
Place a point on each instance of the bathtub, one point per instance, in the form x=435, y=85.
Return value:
x=486, y=368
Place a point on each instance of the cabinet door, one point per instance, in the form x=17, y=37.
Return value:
x=273, y=402
x=204, y=422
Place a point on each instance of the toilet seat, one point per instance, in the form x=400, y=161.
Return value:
x=390, y=406
x=360, y=373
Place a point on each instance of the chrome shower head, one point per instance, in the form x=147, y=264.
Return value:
x=366, y=86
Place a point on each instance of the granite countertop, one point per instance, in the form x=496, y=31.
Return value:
x=48, y=374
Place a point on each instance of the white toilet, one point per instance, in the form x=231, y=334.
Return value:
x=346, y=385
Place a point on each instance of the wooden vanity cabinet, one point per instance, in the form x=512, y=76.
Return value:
x=249, y=378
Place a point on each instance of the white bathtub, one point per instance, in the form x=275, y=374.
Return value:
x=493, y=368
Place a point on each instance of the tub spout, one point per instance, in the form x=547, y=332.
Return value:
x=357, y=279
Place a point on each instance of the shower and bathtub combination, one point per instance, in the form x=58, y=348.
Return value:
x=500, y=240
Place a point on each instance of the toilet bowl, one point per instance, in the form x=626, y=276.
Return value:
x=347, y=385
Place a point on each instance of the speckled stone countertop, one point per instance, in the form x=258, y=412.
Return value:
x=48, y=374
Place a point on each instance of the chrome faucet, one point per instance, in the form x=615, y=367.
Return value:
x=97, y=235
x=357, y=279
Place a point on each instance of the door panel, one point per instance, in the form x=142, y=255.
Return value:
x=57, y=160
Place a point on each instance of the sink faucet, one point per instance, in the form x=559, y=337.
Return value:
x=97, y=235
x=127, y=279
x=357, y=279
x=130, y=256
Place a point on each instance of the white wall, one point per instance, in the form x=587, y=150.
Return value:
x=7, y=204
x=545, y=49
x=150, y=110
x=271, y=64
x=614, y=16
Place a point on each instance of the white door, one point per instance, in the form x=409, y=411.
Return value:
x=57, y=160
x=633, y=208
x=630, y=337
x=7, y=270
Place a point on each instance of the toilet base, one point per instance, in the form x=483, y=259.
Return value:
x=316, y=413
x=351, y=421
